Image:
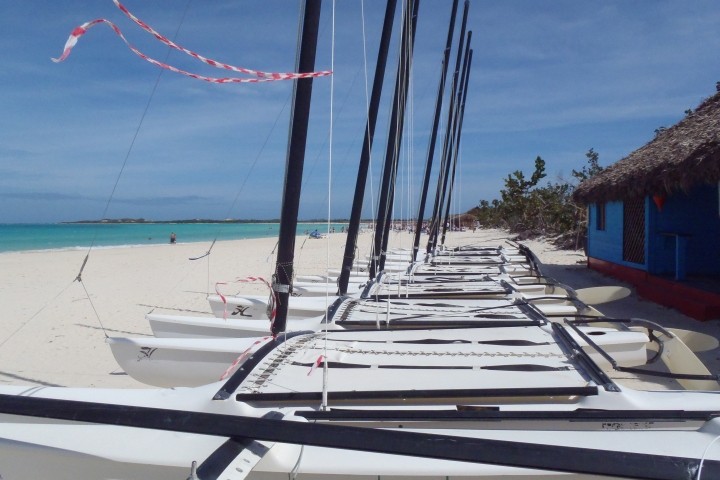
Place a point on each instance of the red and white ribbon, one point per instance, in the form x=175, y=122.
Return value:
x=317, y=363
x=243, y=356
x=257, y=76
x=272, y=302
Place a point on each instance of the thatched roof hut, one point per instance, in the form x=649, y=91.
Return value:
x=679, y=157
x=463, y=220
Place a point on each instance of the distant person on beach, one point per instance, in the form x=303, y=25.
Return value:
x=172, y=237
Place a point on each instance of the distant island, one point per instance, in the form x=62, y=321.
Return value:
x=199, y=220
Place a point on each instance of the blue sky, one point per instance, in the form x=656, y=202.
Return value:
x=549, y=78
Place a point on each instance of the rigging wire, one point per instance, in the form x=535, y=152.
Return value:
x=247, y=176
x=459, y=184
x=367, y=115
x=341, y=109
x=409, y=149
x=375, y=255
x=40, y=310
x=410, y=157
x=395, y=207
x=704, y=455
x=78, y=278
x=324, y=405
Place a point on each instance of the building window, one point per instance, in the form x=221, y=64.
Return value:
x=600, y=216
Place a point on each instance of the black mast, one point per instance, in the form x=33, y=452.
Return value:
x=448, y=153
x=433, y=133
x=458, y=133
x=382, y=227
x=302, y=93
x=354, y=226
x=442, y=175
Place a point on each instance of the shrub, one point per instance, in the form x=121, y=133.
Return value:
x=531, y=211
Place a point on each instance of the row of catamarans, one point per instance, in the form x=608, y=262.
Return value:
x=466, y=364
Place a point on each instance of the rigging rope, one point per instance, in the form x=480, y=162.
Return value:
x=247, y=177
x=324, y=405
x=41, y=309
x=256, y=75
x=371, y=189
x=124, y=164
x=704, y=455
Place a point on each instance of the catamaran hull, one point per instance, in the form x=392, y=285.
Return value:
x=187, y=362
x=178, y=362
x=69, y=452
x=28, y=461
x=255, y=307
x=181, y=326
x=234, y=306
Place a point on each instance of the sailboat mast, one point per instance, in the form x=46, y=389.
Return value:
x=394, y=137
x=442, y=175
x=302, y=93
x=458, y=133
x=448, y=153
x=399, y=132
x=356, y=212
x=433, y=132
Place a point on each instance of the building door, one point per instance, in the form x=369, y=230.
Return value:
x=634, y=230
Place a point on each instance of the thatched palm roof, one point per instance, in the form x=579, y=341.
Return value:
x=466, y=219
x=679, y=157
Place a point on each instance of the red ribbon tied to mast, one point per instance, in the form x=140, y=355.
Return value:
x=256, y=76
x=272, y=300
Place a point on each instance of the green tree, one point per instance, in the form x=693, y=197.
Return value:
x=591, y=169
x=513, y=208
x=532, y=210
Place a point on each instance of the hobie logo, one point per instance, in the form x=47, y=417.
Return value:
x=145, y=353
x=240, y=310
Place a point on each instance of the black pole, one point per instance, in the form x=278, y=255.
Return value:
x=387, y=166
x=399, y=96
x=282, y=279
x=433, y=132
x=439, y=192
x=452, y=130
x=434, y=224
x=399, y=132
x=456, y=145
x=356, y=212
x=447, y=153
x=451, y=145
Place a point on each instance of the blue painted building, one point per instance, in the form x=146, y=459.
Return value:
x=647, y=238
x=654, y=216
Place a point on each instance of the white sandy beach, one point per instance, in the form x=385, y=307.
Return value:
x=52, y=333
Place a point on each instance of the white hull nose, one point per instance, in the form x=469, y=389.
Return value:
x=177, y=362
x=249, y=307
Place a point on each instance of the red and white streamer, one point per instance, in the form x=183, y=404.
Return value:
x=243, y=356
x=256, y=75
x=317, y=363
x=272, y=303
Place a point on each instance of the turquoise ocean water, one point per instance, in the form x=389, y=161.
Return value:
x=21, y=237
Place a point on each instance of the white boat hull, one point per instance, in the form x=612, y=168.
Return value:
x=187, y=362
x=182, y=326
x=32, y=448
x=247, y=307
x=177, y=362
